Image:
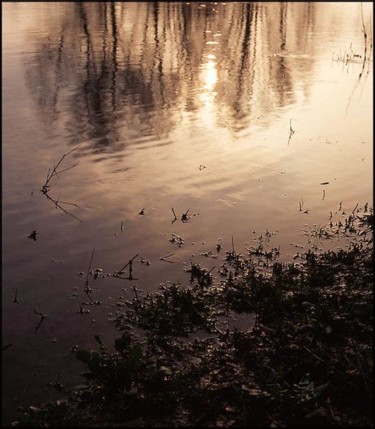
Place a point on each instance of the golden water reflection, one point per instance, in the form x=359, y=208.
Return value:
x=183, y=105
x=115, y=72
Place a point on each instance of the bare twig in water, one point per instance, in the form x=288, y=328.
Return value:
x=355, y=209
x=121, y=271
x=185, y=217
x=42, y=317
x=301, y=203
x=89, y=268
x=39, y=313
x=365, y=37
x=55, y=172
x=175, y=217
x=164, y=258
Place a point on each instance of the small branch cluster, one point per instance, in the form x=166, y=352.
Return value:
x=55, y=172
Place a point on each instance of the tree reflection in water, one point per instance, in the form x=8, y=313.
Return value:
x=115, y=74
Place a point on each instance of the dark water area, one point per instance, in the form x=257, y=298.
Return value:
x=237, y=112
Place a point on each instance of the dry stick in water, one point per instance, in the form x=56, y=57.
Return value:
x=354, y=209
x=184, y=216
x=54, y=172
x=163, y=258
x=46, y=187
x=16, y=300
x=301, y=204
x=56, y=202
x=365, y=37
x=130, y=263
x=42, y=317
x=175, y=217
x=88, y=271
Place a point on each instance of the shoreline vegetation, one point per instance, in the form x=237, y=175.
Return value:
x=305, y=359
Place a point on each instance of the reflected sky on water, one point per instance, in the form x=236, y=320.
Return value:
x=187, y=106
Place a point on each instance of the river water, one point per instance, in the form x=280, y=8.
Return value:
x=234, y=112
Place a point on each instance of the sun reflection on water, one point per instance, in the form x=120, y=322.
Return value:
x=210, y=75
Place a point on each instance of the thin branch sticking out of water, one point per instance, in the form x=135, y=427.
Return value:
x=164, y=258
x=16, y=300
x=365, y=40
x=89, y=268
x=175, y=216
x=42, y=317
x=55, y=172
x=121, y=271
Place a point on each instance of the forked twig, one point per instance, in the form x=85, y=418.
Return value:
x=121, y=270
x=55, y=172
x=42, y=317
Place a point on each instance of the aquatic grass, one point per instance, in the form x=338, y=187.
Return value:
x=351, y=56
x=305, y=362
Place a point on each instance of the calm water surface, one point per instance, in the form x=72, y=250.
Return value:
x=172, y=105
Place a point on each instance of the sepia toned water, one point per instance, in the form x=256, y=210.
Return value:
x=237, y=112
